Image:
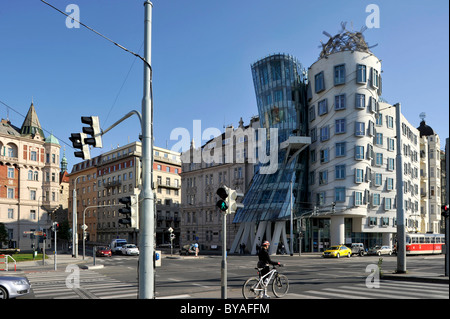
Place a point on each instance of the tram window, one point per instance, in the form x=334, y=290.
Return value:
x=421, y=240
x=427, y=240
x=433, y=239
x=414, y=240
x=408, y=240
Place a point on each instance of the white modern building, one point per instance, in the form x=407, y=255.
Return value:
x=352, y=157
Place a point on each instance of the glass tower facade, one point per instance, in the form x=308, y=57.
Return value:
x=280, y=86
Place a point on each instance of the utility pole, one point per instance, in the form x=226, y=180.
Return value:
x=401, y=235
x=146, y=209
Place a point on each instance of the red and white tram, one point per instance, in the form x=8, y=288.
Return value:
x=419, y=244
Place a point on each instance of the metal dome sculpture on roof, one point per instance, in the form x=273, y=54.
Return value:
x=345, y=41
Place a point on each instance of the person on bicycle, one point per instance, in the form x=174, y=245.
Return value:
x=264, y=258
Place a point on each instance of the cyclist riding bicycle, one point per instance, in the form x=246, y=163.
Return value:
x=264, y=259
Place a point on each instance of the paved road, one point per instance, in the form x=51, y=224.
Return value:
x=311, y=277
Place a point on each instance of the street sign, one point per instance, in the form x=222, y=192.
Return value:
x=28, y=232
x=39, y=233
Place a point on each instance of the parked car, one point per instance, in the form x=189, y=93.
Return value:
x=357, y=249
x=103, y=251
x=380, y=250
x=13, y=286
x=130, y=249
x=337, y=251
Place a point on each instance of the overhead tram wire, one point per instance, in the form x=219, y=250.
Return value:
x=45, y=130
x=98, y=33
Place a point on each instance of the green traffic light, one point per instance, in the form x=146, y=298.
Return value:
x=222, y=205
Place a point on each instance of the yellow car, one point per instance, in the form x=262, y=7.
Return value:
x=337, y=251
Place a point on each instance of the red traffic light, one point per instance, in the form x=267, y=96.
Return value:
x=444, y=210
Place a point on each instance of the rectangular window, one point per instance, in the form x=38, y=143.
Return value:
x=359, y=175
x=339, y=194
x=390, y=121
x=323, y=177
x=324, y=155
x=312, y=113
x=376, y=200
x=339, y=102
x=391, y=144
x=319, y=82
x=372, y=221
x=324, y=133
x=339, y=74
x=379, y=139
x=387, y=203
x=321, y=198
x=373, y=105
x=340, y=171
x=374, y=78
x=390, y=164
x=10, y=172
x=361, y=73
x=322, y=107
x=379, y=159
x=360, y=128
x=360, y=101
x=340, y=149
x=339, y=126
x=389, y=184
x=313, y=134
x=358, y=198
x=378, y=179
x=359, y=152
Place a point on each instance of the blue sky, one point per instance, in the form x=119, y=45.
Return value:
x=201, y=56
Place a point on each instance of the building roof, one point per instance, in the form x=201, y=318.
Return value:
x=31, y=124
x=424, y=129
x=52, y=139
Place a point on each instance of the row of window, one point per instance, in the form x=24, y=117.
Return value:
x=340, y=103
x=340, y=172
x=360, y=153
x=339, y=77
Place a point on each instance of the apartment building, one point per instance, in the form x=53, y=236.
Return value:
x=29, y=179
x=201, y=220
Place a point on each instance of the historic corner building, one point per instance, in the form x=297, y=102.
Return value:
x=29, y=181
x=336, y=156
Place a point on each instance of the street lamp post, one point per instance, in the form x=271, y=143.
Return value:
x=146, y=209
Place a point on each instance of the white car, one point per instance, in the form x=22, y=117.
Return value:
x=380, y=250
x=130, y=249
x=13, y=286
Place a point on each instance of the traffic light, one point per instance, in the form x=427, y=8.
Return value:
x=228, y=202
x=234, y=195
x=55, y=226
x=78, y=142
x=444, y=211
x=223, y=194
x=93, y=130
x=130, y=211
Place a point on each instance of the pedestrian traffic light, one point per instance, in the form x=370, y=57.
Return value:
x=223, y=194
x=444, y=211
x=77, y=140
x=93, y=130
x=130, y=211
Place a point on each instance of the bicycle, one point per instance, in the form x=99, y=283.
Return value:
x=256, y=288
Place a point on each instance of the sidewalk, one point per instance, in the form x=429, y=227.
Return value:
x=416, y=276
x=62, y=261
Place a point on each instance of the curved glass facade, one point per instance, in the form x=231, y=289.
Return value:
x=280, y=87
